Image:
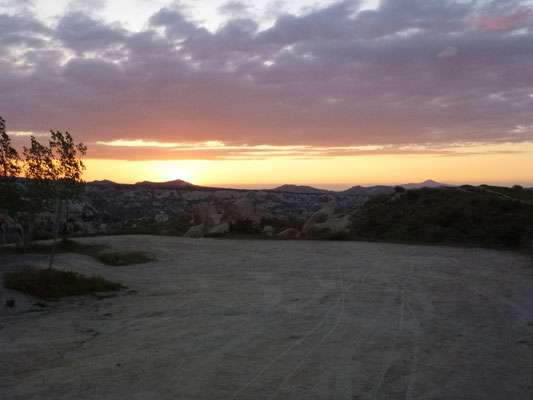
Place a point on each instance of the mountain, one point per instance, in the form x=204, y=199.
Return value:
x=368, y=190
x=104, y=182
x=177, y=184
x=299, y=189
x=427, y=183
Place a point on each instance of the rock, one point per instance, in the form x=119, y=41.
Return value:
x=527, y=239
x=268, y=231
x=219, y=230
x=196, y=231
x=290, y=233
x=201, y=211
x=244, y=210
x=325, y=213
x=211, y=221
x=161, y=218
x=341, y=223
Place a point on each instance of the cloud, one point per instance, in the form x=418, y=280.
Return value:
x=235, y=9
x=79, y=32
x=449, y=51
x=331, y=76
x=507, y=22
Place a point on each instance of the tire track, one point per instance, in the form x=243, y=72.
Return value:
x=392, y=344
x=313, y=349
x=292, y=347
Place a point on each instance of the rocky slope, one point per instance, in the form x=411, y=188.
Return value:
x=108, y=207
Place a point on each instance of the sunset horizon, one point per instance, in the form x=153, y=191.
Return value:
x=266, y=199
x=251, y=93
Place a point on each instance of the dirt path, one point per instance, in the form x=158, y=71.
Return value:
x=222, y=319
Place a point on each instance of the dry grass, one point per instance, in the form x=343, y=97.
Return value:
x=49, y=284
x=124, y=258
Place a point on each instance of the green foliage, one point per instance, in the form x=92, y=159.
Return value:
x=244, y=226
x=466, y=215
x=516, y=192
x=10, y=169
x=63, y=246
x=67, y=166
x=280, y=224
x=50, y=284
x=124, y=258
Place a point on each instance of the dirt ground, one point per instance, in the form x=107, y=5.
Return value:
x=254, y=319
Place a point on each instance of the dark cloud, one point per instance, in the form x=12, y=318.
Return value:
x=21, y=30
x=79, y=32
x=235, y=9
x=421, y=72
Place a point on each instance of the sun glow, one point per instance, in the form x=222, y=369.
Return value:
x=494, y=164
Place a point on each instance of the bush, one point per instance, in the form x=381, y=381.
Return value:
x=483, y=215
x=244, y=226
x=63, y=246
x=49, y=284
x=124, y=258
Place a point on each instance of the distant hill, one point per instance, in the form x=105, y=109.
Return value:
x=368, y=190
x=104, y=182
x=299, y=189
x=427, y=183
x=176, y=184
x=359, y=190
x=467, y=215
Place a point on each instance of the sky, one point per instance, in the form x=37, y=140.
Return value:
x=258, y=93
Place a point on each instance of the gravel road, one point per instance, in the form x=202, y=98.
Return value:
x=265, y=319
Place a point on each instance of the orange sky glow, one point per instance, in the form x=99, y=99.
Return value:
x=507, y=163
x=256, y=94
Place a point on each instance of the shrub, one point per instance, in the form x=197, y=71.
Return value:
x=49, y=284
x=124, y=258
x=487, y=216
x=244, y=226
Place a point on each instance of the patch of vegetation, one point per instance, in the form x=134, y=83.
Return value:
x=50, y=284
x=62, y=246
x=280, y=224
x=244, y=226
x=124, y=258
x=516, y=192
x=466, y=215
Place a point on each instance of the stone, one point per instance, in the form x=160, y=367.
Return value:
x=244, y=210
x=325, y=213
x=212, y=221
x=196, y=231
x=219, y=230
x=161, y=218
x=341, y=223
x=268, y=231
x=201, y=211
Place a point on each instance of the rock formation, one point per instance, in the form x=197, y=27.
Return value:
x=328, y=220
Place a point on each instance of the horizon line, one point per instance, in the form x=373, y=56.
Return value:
x=327, y=186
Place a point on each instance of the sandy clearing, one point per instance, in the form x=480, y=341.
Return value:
x=251, y=319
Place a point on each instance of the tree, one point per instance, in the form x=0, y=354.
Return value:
x=67, y=182
x=53, y=177
x=10, y=168
x=40, y=171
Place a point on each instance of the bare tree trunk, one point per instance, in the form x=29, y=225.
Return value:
x=56, y=229
x=65, y=233
x=16, y=223
x=28, y=232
